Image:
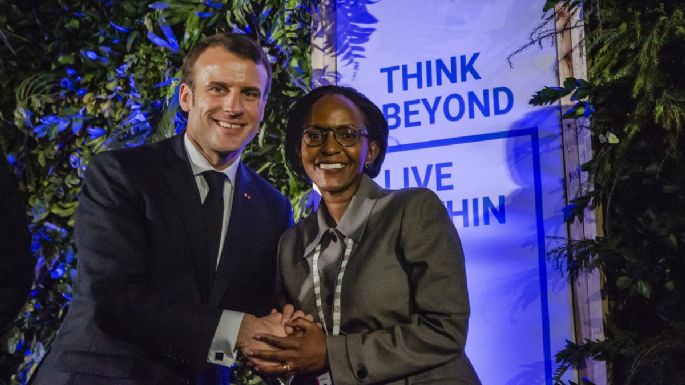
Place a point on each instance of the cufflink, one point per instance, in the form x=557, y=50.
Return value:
x=218, y=356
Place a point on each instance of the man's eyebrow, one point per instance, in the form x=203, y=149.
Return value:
x=252, y=88
x=216, y=83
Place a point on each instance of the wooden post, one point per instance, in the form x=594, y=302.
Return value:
x=324, y=61
x=588, y=306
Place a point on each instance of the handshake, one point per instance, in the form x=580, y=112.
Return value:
x=285, y=342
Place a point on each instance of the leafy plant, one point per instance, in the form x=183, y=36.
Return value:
x=636, y=101
x=91, y=75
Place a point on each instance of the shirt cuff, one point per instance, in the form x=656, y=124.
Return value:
x=221, y=351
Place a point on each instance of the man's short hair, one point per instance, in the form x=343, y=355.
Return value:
x=237, y=44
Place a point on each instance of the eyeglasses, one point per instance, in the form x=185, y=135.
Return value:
x=346, y=136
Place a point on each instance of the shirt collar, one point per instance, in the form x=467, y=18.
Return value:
x=200, y=164
x=353, y=221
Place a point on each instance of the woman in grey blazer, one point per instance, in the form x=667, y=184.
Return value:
x=382, y=271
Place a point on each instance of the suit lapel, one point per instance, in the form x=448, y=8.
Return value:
x=240, y=227
x=301, y=275
x=183, y=188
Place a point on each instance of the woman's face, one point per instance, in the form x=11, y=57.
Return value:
x=336, y=169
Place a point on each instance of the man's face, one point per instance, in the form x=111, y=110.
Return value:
x=225, y=106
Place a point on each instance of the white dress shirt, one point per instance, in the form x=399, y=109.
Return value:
x=221, y=351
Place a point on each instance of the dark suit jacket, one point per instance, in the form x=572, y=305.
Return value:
x=16, y=261
x=144, y=311
x=404, y=300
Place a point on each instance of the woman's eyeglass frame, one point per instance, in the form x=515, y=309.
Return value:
x=338, y=134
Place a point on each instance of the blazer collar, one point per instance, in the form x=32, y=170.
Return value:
x=183, y=190
x=353, y=222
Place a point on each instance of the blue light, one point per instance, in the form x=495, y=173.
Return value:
x=213, y=4
x=90, y=55
x=40, y=130
x=568, y=212
x=204, y=15
x=57, y=272
x=74, y=161
x=164, y=83
x=119, y=27
x=159, y=5
x=67, y=83
x=69, y=255
x=96, y=132
x=588, y=109
x=170, y=37
x=76, y=127
x=159, y=41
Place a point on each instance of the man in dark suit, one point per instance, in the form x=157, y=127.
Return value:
x=177, y=240
x=16, y=261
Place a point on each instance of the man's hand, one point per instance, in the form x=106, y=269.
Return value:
x=289, y=314
x=303, y=351
x=252, y=325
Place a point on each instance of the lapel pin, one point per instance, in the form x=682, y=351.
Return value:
x=247, y=196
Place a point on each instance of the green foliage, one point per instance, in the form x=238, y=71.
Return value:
x=635, y=53
x=94, y=75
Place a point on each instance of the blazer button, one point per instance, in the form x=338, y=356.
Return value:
x=362, y=373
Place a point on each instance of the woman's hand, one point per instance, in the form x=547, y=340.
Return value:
x=303, y=351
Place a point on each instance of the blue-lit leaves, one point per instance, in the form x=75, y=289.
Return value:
x=94, y=56
x=119, y=27
x=158, y=40
x=245, y=30
x=27, y=116
x=159, y=5
x=213, y=4
x=67, y=84
x=180, y=121
x=50, y=126
x=582, y=109
x=204, y=15
x=164, y=83
x=351, y=16
x=169, y=34
x=568, y=211
x=122, y=70
x=265, y=13
x=77, y=123
x=96, y=132
x=57, y=272
x=90, y=54
x=75, y=161
x=169, y=43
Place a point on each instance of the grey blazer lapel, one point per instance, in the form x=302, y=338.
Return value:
x=303, y=260
x=183, y=189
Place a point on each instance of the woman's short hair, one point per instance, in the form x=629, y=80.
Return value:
x=374, y=121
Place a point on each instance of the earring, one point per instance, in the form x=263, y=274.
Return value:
x=367, y=166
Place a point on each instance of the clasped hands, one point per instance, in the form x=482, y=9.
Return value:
x=283, y=343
